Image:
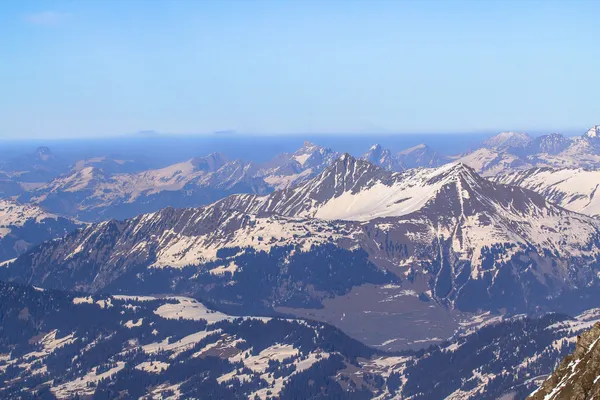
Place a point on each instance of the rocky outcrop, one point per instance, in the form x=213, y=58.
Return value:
x=577, y=376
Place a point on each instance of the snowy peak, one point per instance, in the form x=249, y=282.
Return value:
x=356, y=190
x=376, y=152
x=377, y=148
x=420, y=156
x=508, y=139
x=456, y=170
x=210, y=163
x=311, y=155
x=349, y=173
x=289, y=169
x=309, y=146
x=553, y=143
x=381, y=157
x=593, y=132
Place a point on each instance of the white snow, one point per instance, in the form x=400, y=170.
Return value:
x=154, y=367
x=83, y=300
x=187, y=308
x=81, y=386
x=575, y=189
x=16, y=214
x=179, y=346
x=130, y=324
x=220, y=270
x=7, y=262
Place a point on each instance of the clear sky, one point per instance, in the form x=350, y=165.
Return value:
x=92, y=68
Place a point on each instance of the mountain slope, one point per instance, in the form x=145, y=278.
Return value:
x=452, y=209
x=57, y=345
x=23, y=226
x=62, y=345
x=573, y=189
x=490, y=162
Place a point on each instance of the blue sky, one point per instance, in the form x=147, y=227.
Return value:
x=98, y=68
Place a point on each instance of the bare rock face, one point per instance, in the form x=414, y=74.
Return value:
x=576, y=378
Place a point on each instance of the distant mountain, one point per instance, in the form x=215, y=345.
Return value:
x=505, y=140
x=489, y=162
x=93, y=194
x=577, y=375
x=98, y=189
x=445, y=234
x=40, y=166
x=593, y=132
x=553, y=144
x=510, y=152
x=23, y=226
x=574, y=189
x=383, y=158
x=421, y=156
x=66, y=345
x=578, y=152
x=111, y=164
x=289, y=169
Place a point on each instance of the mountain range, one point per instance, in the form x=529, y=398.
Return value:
x=313, y=275
x=444, y=240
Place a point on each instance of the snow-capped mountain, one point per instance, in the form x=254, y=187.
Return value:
x=451, y=208
x=91, y=193
x=505, y=140
x=420, y=156
x=65, y=345
x=415, y=157
x=459, y=236
x=593, y=132
x=23, y=226
x=289, y=169
x=580, y=152
x=552, y=144
x=510, y=152
x=573, y=189
x=489, y=162
x=95, y=190
x=383, y=158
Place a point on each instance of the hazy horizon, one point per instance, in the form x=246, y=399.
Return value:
x=99, y=69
